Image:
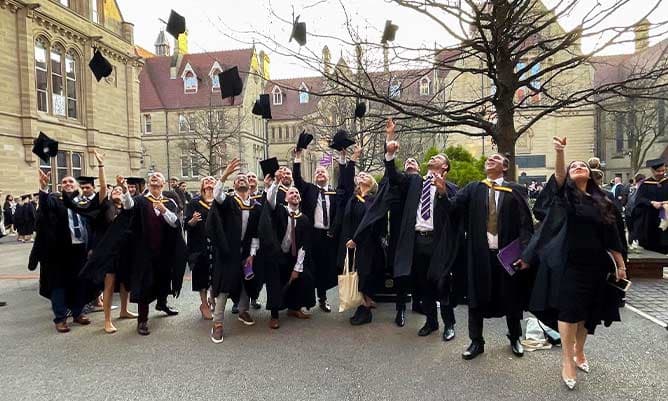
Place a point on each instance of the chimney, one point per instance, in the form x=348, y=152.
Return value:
x=161, y=44
x=326, y=60
x=641, y=31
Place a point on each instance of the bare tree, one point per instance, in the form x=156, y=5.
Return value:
x=513, y=61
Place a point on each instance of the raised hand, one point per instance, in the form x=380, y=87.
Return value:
x=268, y=181
x=160, y=206
x=390, y=126
x=559, y=143
x=43, y=179
x=298, y=153
x=120, y=180
x=232, y=166
x=357, y=152
x=351, y=244
x=392, y=147
x=100, y=158
x=439, y=182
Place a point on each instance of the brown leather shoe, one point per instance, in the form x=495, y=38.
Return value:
x=62, y=327
x=82, y=320
x=298, y=314
x=273, y=324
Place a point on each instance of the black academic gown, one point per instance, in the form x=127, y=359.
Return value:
x=325, y=268
x=488, y=288
x=278, y=265
x=52, y=251
x=646, y=217
x=230, y=251
x=198, y=244
x=155, y=275
x=24, y=218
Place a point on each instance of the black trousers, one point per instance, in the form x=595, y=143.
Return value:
x=324, y=266
x=513, y=320
x=426, y=289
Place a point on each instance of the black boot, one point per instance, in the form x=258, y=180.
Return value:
x=516, y=347
x=428, y=328
x=362, y=316
x=400, y=318
x=163, y=307
x=476, y=348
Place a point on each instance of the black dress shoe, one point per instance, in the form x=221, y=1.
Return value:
x=324, y=306
x=362, y=316
x=167, y=309
x=142, y=329
x=255, y=304
x=235, y=309
x=400, y=319
x=449, y=333
x=516, y=347
x=473, y=350
x=427, y=329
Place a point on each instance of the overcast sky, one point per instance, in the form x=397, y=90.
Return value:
x=219, y=24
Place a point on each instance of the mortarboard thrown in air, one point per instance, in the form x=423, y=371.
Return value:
x=45, y=147
x=298, y=32
x=304, y=139
x=262, y=107
x=176, y=24
x=100, y=66
x=341, y=141
x=360, y=110
x=389, y=33
x=230, y=83
x=269, y=166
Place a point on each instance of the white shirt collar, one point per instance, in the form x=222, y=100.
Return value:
x=498, y=181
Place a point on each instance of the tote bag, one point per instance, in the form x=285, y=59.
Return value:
x=349, y=295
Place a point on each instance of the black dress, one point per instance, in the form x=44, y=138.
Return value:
x=199, y=246
x=587, y=266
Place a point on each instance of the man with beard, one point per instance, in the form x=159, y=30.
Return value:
x=496, y=213
x=284, y=179
x=232, y=227
x=285, y=237
x=320, y=203
x=157, y=252
x=425, y=228
x=60, y=249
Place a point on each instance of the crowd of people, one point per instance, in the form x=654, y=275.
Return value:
x=478, y=245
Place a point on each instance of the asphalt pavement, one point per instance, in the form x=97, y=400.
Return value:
x=321, y=359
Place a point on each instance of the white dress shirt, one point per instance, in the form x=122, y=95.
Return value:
x=493, y=240
x=317, y=216
x=426, y=225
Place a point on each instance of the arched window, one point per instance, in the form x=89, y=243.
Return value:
x=278, y=95
x=425, y=86
x=303, y=93
x=215, y=81
x=57, y=81
x=71, y=83
x=189, y=80
x=41, y=75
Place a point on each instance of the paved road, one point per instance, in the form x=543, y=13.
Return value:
x=321, y=359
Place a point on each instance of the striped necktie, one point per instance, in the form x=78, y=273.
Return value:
x=425, y=199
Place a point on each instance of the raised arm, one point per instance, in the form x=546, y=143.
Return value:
x=101, y=177
x=297, y=171
x=218, y=192
x=559, y=164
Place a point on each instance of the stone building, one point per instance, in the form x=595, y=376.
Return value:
x=188, y=130
x=48, y=87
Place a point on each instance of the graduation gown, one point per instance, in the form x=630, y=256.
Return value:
x=646, y=217
x=547, y=255
x=198, y=244
x=487, y=286
x=224, y=225
x=24, y=218
x=52, y=250
x=278, y=266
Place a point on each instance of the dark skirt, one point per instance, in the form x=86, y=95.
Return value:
x=200, y=265
x=371, y=279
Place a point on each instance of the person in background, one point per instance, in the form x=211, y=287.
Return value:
x=8, y=213
x=25, y=216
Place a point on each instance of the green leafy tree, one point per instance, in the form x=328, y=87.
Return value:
x=464, y=168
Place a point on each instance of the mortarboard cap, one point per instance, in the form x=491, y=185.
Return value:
x=360, y=110
x=135, y=180
x=25, y=196
x=304, y=139
x=341, y=141
x=86, y=180
x=298, y=32
x=262, y=107
x=100, y=66
x=269, y=166
x=389, y=32
x=655, y=163
x=45, y=147
x=230, y=83
x=176, y=24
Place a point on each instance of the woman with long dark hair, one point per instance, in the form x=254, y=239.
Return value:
x=576, y=248
x=8, y=209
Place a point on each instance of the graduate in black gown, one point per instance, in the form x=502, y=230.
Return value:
x=321, y=203
x=257, y=195
x=200, y=253
x=60, y=249
x=576, y=248
x=285, y=238
x=157, y=252
x=25, y=215
x=232, y=227
x=495, y=213
x=651, y=197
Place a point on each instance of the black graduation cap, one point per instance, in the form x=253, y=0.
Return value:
x=100, y=66
x=269, y=166
x=45, y=147
x=655, y=163
x=298, y=32
x=262, y=107
x=360, y=110
x=304, y=139
x=25, y=196
x=340, y=140
x=135, y=181
x=230, y=83
x=176, y=24
x=86, y=180
x=390, y=32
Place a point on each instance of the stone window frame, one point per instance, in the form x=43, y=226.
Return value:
x=303, y=93
x=425, y=86
x=277, y=96
x=63, y=165
x=67, y=53
x=190, y=81
x=213, y=74
x=148, y=123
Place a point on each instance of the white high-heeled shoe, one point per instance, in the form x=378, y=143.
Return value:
x=584, y=366
x=570, y=383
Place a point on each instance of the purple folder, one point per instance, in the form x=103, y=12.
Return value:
x=509, y=255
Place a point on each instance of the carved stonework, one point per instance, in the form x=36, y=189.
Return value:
x=524, y=142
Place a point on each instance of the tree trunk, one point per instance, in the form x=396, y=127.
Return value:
x=505, y=137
